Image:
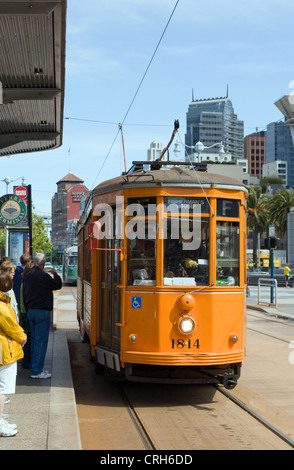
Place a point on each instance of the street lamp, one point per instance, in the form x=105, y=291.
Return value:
x=8, y=180
x=199, y=147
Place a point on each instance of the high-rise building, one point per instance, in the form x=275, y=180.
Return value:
x=211, y=121
x=65, y=211
x=255, y=152
x=279, y=146
x=278, y=168
x=155, y=150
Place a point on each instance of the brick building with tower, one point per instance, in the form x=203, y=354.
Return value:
x=65, y=211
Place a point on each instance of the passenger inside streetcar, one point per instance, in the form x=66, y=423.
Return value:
x=183, y=266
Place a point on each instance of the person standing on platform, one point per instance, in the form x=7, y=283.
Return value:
x=38, y=287
x=9, y=267
x=17, y=280
x=12, y=339
x=26, y=362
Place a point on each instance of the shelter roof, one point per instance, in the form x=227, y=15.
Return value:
x=32, y=75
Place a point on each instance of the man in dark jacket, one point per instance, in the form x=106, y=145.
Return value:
x=38, y=299
x=17, y=279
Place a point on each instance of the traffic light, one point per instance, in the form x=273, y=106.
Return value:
x=271, y=243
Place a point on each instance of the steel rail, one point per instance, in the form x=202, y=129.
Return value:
x=252, y=413
x=147, y=441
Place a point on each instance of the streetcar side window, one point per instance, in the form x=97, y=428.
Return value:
x=141, y=262
x=141, y=244
x=186, y=260
x=227, y=253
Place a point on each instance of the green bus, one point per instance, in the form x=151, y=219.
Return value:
x=70, y=265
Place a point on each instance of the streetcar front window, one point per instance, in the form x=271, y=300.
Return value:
x=186, y=260
x=227, y=253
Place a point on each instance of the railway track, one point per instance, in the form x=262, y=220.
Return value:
x=252, y=413
x=224, y=423
x=146, y=439
x=185, y=418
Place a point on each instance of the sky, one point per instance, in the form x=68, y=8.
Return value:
x=136, y=62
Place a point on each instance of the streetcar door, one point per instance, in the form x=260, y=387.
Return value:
x=109, y=303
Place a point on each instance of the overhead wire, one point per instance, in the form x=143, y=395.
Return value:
x=138, y=88
x=116, y=123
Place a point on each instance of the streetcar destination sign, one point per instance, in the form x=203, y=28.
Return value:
x=12, y=209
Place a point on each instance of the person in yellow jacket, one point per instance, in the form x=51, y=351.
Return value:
x=12, y=339
x=287, y=271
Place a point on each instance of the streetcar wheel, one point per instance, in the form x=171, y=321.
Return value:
x=229, y=383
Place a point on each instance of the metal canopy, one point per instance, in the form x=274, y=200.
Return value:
x=32, y=75
x=286, y=106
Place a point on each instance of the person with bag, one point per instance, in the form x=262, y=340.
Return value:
x=12, y=340
x=17, y=280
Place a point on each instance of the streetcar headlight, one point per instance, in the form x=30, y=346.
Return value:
x=186, y=325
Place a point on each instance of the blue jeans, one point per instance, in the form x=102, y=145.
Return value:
x=39, y=324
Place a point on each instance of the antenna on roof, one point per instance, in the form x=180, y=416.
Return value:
x=192, y=94
x=227, y=91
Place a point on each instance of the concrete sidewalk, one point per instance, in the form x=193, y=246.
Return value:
x=45, y=409
x=285, y=302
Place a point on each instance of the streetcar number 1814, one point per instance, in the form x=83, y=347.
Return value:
x=185, y=343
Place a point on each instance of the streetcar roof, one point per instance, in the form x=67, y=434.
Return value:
x=169, y=177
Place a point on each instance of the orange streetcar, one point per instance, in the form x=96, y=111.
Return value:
x=162, y=275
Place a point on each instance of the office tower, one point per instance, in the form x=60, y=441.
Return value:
x=279, y=146
x=214, y=120
x=255, y=152
x=155, y=151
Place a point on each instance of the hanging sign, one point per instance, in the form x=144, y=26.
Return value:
x=21, y=191
x=12, y=209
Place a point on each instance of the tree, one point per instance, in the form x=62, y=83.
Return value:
x=2, y=240
x=257, y=217
x=270, y=181
x=41, y=242
x=279, y=206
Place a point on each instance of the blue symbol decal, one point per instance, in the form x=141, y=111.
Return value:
x=136, y=302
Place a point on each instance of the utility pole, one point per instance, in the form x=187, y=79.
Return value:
x=30, y=220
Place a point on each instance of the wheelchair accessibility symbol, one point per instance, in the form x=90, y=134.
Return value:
x=136, y=302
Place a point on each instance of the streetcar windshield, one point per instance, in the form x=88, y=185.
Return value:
x=72, y=260
x=184, y=265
